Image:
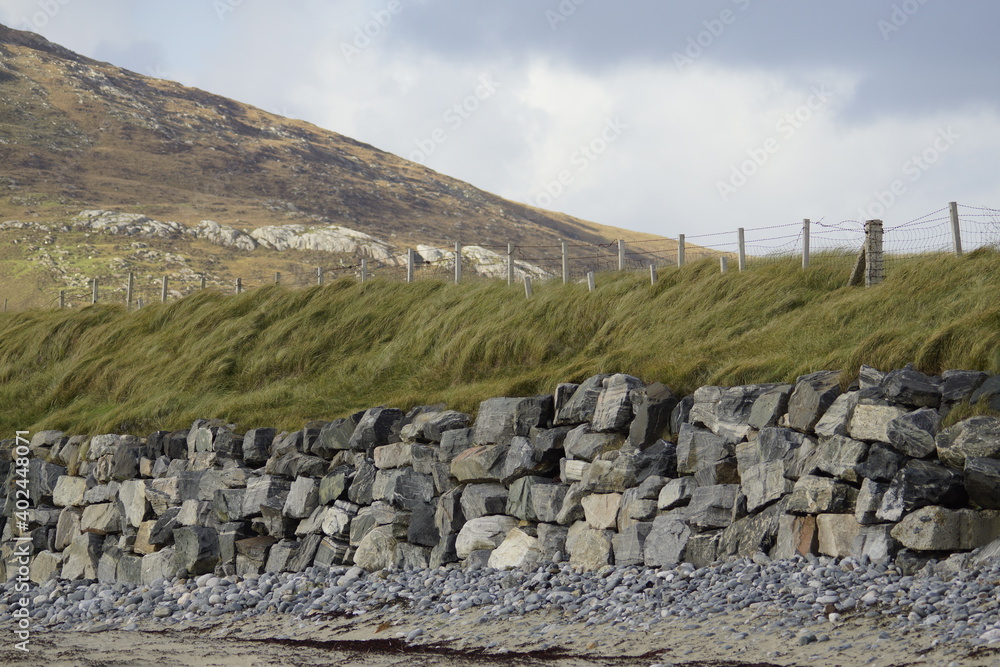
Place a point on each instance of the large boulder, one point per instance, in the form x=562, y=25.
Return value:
x=601, y=510
x=518, y=550
x=667, y=540
x=914, y=433
x=401, y=487
x=712, y=506
x=935, y=528
x=818, y=495
x=652, y=416
x=958, y=386
x=725, y=411
x=378, y=426
x=589, y=549
x=813, y=395
x=484, y=499
x=982, y=482
x=582, y=403
x=377, y=550
x=483, y=463
x=764, y=484
x=613, y=411
x=196, y=549
x=484, y=533
x=978, y=437
x=910, y=387
x=629, y=544
x=500, y=419
x=918, y=484
x=836, y=534
x=756, y=533
x=585, y=444
x=871, y=421
x=699, y=448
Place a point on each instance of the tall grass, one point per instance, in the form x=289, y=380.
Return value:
x=281, y=357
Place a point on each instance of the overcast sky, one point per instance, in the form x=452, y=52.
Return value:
x=665, y=116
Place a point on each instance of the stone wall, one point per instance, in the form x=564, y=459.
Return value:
x=611, y=471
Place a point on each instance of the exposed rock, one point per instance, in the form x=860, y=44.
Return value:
x=911, y=387
x=422, y=530
x=453, y=443
x=920, y=483
x=335, y=436
x=882, y=464
x=977, y=437
x=601, y=510
x=935, y=528
x=675, y=493
x=363, y=485
x=483, y=463
x=377, y=550
x=840, y=457
x=431, y=426
x=159, y=565
x=581, y=405
x=652, y=416
x=749, y=535
x=871, y=422
x=958, y=386
x=517, y=550
x=699, y=448
x=196, y=549
x=500, y=419
x=547, y=500
x=613, y=411
x=629, y=544
x=303, y=497
x=667, y=540
x=483, y=533
x=521, y=460
x=519, y=499
x=376, y=428
x=584, y=444
x=100, y=519
x=836, y=534
x=725, y=411
x=132, y=502
x=875, y=543
x=869, y=501
x=326, y=238
x=484, y=499
x=765, y=483
x=813, y=395
x=769, y=407
x=796, y=535
x=982, y=482
x=818, y=495
x=265, y=490
x=988, y=393
x=914, y=433
x=402, y=486
x=589, y=549
x=448, y=516
x=81, y=557
x=548, y=442
x=69, y=491
x=712, y=506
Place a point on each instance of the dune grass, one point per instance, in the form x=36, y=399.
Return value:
x=280, y=357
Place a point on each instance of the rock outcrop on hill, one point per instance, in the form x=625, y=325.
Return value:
x=609, y=471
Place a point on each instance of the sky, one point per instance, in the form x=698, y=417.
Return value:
x=663, y=116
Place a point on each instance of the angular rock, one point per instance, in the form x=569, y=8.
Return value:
x=572, y=506
x=518, y=550
x=589, y=549
x=666, y=541
x=977, y=437
x=132, y=502
x=571, y=470
x=703, y=548
x=765, y=483
x=483, y=533
x=616, y=476
x=875, y=543
x=652, y=416
x=431, y=426
x=69, y=491
x=500, y=419
x=914, y=433
x=580, y=407
x=376, y=428
x=81, y=557
x=361, y=491
x=769, y=407
x=818, y=495
x=750, y=535
x=837, y=419
x=484, y=499
x=159, y=565
x=869, y=501
x=958, y=386
x=797, y=535
x=444, y=552
x=910, y=387
x=840, y=457
x=483, y=463
x=725, y=471
x=519, y=502
x=264, y=490
x=398, y=455
x=584, y=444
x=422, y=530
x=162, y=532
x=613, y=411
x=46, y=565
x=548, y=442
x=196, y=549
x=454, y=443
x=918, y=484
x=871, y=422
x=836, y=534
x=629, y=544
x=813, y=395
x=676, y=493
x=547, y=501
x=333, y=485
x=982, y=482
x=303, y=497
x=882, y=463
x=935, y=528
x=699, y=448
x=67, y=528
x=448, y=516
x=636, y=507
x=601, y=510
x=402, y=486
x=257, y=445
x=335, y=436
x=521, y=460
x=100, y=519
x=712, y=506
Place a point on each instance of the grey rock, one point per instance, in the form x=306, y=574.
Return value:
x=702, y=549
x=448, y=516
x=585, y=444
x=579, y=408
x=837, y=419
x=132, y=503
x=935, y=528
x=295, y=464
x=422, y=530
x=958, y=386
x=264, y=490
x=82, y=556
x=551, y=540
x=914, y=433
x=431, y=426
x=69, y=491
x=764, y=484
x=332, y=552
x=869, y=501
x=870, y=422
x=362, y=487
x=197, y=549
x=67, y=527
x=769, y=407
x=379, y=514
x=813, y=395
x=870, y=380
x=229, y=534
x=336, y=435
x=699, y=448
x=305, y=553
x=910, y=387
x=377, y=427
x=875, y=543
x=726, y=411
x=454, y=443
x=483, y=499
x=334, y=484
x=444, y=552
x=666, y=541
x=840, y=457
x=483, y=463
x=572, y=505
x=483, y=533
x=101, y=519
x=518, y=550
x=412, y=557
x=882, y=463
x=616, y=476
x=303, y=497
x=977, y=437
x=519, y=503
x=725, y=471
x=818, y=495
x=982, y=481
x=377, y=550
x=548, y=442
x=796, y=535
x=589, y=549
x=547, y=501
x=918, y=484
x=500, y=419
x=521, y=460
x=42, y=479
x=601, y=510
x=712, y=506
x=681, y=413
x=656, y=460
x=159, y=565
x=676, y=493
x=613, y=411
x=162, y=531
x=837, y=533
x=652, y=416
x=402, y=486
x=629, y=544
x=397, y=455
x=751, y=534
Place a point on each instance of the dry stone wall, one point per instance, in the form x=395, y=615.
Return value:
x=610, y=471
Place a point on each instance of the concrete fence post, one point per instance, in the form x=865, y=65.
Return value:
x=364, y=270
x=724, y=263
x=458, y=262
x=138, y=303
x=621, y=255
x=741, y=245
x=62, y=299
x=652, y=274
x=409, y=265
x=277, y=277
x=591, y=284
x=204, y=282
x=565, y=261
x=527, y=287
x=874, y=267
x=805, y=243
x=319, y=275
x=510, y=264
x=956, y=228
x=163, y=291
x=129, y=290
x=680, y=250
x=93, y=298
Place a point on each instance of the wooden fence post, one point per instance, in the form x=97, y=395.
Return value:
x=956, y=229
x=409, y=265
x=565, y=261
x=680, y=250
x=62, y=299
x=621, y=255
x=239, y=286
x=129, y=289
x=138, y=303
x=741, y=245
x=163, y=291
x=204, y=282
x=805, y=244
x=510, y=264
x=652, y=274
x=590, y=281
x=874, y=268
x=277, y=277
x=527, y=286
x=364, y=270
x=94, y=296
x=458, y=262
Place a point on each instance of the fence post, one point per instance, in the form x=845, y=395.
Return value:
x=204, y=282
x=5, y=305
x=652, y=274
x=874, y=268
x=741, y=245
x=527, y=286
x=129, y=287
x=62, y=299
x=805, y=244
x=458, y=262
x=94, y=297
x=364, y=270
x=239, y=286
x=277, y=277
x=319, y=275
x=621, y=255
x=565, y=261
x=956, y=228
x=163, y=291
x=138, y=303
x=724, y=263
x=409, y=265
x=680, y=250
x=510, y=264
x=590, y=281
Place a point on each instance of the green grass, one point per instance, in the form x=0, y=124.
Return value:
x=280, y=357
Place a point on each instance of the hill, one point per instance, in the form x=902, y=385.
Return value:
x=77, y=134
x=277, y=356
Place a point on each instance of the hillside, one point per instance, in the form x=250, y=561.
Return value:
x=277, y=356
x=76, y=134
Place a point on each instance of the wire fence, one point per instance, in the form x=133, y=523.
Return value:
x=954, y=228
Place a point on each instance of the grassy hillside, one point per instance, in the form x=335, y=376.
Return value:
x=280, y=357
